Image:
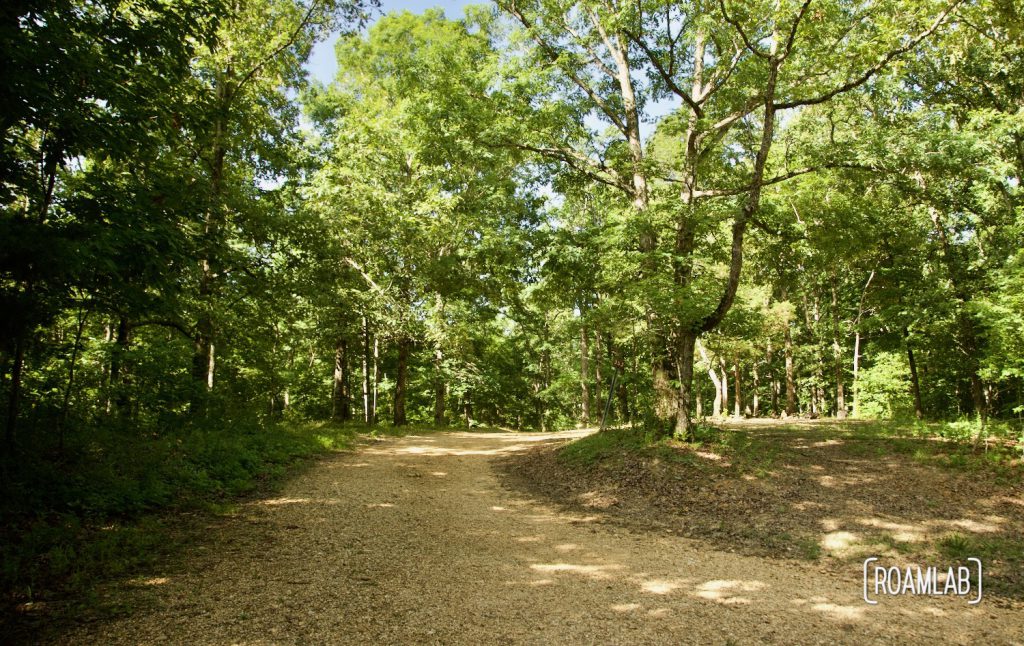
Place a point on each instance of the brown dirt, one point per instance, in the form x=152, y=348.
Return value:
x=807, y=491
x=416, y=540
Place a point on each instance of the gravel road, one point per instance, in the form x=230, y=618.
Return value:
x=414, y=541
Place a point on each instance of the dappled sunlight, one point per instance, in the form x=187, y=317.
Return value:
x=725, y=592
x=625, y=607
x=598, y=499
x=380, y=505
x=839, y=541
x=832, y=610
x=278, y=502
x=707, y=455
x=595, y=572
x=529, y=539
x=151, y=581
x=285, y=501
x=656, y=586
x=840, y=612
x=900, y=531
x=846, y=480
x=567, y=547
x=993, y=524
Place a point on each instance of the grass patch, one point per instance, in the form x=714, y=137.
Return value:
x=99, y=510
x=597, y=447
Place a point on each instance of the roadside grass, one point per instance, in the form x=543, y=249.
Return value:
x=617, y=443
x=117, y=500
x=757, y=486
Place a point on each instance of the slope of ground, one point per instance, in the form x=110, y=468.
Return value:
x=416, y=540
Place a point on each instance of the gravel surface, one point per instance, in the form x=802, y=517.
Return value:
x=414, y=540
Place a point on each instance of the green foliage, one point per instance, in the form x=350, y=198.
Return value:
x=884, y=387
x=97, y=510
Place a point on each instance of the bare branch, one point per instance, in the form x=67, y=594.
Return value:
x=739, y=28
x=793, y=29
x=552, y=54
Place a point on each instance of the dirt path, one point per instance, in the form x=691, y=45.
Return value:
x=414, y=540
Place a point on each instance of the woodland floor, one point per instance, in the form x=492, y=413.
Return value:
x=473, y=538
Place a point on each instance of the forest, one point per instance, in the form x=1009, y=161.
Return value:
x=540, y=215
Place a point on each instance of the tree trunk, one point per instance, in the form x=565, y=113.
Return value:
x=756, y=410
x=724, y=381
x=620, y=370
x=118, y=381
x=376, y=379
x=584, y=377
x=439, y=388
x=790, y=375
x=367, y=361
x=915, y=385
x=400, y=381
x=837, y=354
x=716, y=407
x=341, y=409
x=72, y=363
x=684, y=423
x=14, y=395
x=737, y=397
x=856, y=373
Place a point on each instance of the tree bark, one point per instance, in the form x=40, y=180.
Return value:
x=14, y=395
x=118, y=381
x=790, y=375
x=724, y=381
x=376, y=379
x=756, y=400
x=684, y=421
x=915, y=384
x=622, y=392
x=439, y=388
x=837, y=354
x=856, y=373
x=341, y=409
x=737, y=396
x=401, y=381
x=716, y=410
x=367, y=361
x=584, y=377
x=72, y=363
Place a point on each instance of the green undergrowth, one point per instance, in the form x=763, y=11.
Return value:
x=112, y=499
x=746, y=452
x=617, y=443
x=959, y=445
x=758, y=450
